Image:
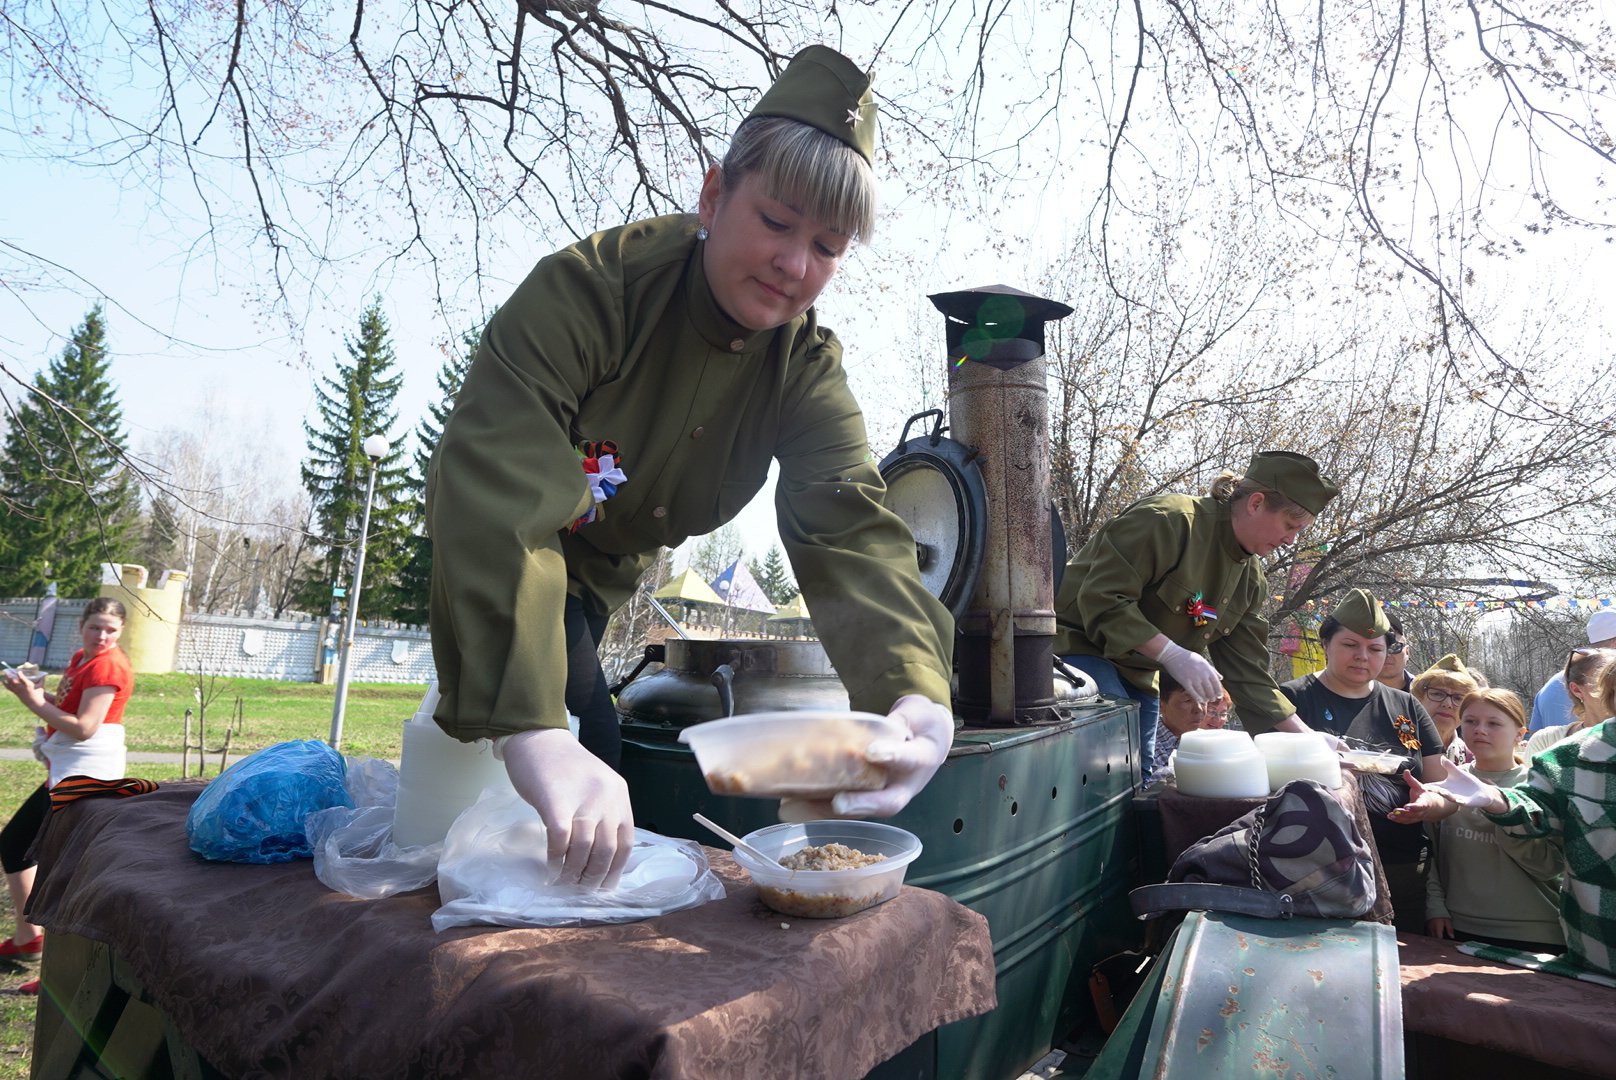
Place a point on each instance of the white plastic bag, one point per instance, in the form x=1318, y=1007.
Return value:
x=353, y=847
x=372, y=782
x=354, y=853
x=493, y=871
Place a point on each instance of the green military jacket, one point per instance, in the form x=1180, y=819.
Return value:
x=1136, y=577
x=618, y=337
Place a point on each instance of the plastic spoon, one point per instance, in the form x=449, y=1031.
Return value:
x=736, y=842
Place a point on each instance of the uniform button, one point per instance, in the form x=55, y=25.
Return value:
x=698, y=433
x=1209, y=635
x=660, y=512
x=737, y=345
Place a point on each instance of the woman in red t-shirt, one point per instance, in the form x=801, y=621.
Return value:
x=83, y=737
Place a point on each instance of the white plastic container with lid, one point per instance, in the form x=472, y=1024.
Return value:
x=438, y=777
x=1299, y=755
x=1219, y=764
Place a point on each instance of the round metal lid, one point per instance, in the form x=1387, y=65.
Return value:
x=935, y=485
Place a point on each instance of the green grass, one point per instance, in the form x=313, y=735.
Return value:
x=272, y=711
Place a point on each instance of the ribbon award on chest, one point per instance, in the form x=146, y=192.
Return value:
x=602, y=469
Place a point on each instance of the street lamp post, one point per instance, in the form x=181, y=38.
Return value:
x=375, y=447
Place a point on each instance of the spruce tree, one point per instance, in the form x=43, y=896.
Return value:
x=354, y=403
x=70, y=503
x=773, y=577
x=415, y=579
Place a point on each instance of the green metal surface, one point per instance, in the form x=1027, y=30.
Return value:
x=1031, y=826
x=1238, y=996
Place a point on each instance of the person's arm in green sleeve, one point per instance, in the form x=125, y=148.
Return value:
x=1533, y=810
x=505, y=482
x=890, y=639
x=853, y=558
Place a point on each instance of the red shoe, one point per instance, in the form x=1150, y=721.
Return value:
x=9, y=947
x=29, y=987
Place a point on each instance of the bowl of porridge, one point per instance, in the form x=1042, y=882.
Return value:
x=829, y=869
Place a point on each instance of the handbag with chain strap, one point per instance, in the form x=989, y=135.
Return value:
x=1299, y=853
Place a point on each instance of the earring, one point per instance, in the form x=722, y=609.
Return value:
x=701, y=233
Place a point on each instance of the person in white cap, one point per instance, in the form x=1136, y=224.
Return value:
x=1552, y=706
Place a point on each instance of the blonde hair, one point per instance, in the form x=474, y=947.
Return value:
x=1586, y=666
x=1234, y=489
x=1506, y=702
x=808, y=170
x=1607, y=689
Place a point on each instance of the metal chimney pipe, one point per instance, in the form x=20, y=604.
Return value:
x=998, y=403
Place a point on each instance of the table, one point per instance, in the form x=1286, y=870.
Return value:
x=1468, y=1017
x=265, y=972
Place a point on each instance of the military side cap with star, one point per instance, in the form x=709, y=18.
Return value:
x=824, y=89
x=1295, y=476
x=1362, y=614
x=1450, y=664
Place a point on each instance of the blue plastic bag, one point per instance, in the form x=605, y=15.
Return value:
x=254, y=811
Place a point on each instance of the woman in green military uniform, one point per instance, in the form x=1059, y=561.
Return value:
x=632, y=393
x=1174, y=579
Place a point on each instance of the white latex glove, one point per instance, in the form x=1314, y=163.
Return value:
x=1193, y=672
x=584, y=805
x=1463, y=788
x=909, y=763
x=1442, y=798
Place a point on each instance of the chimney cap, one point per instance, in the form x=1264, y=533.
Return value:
x=965, y=304
x=997, y=324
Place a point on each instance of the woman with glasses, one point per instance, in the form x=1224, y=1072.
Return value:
x=1345, y=700
x=1582, y=670
x=1440, y=688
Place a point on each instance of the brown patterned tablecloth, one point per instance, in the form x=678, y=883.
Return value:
x=266, y=972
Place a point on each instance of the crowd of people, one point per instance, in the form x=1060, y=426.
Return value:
x=1500, y=834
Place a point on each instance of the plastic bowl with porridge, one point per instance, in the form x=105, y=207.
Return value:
x=805, y=753
x=873, y=857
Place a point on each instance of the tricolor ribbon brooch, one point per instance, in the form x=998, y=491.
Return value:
x=1198, y=612
x=600, y=463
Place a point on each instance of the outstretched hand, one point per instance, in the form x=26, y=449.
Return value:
x=1441, y=799
x=910, y=762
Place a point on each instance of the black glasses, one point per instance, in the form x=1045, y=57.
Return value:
x=1393, y=645
x=1444, y=697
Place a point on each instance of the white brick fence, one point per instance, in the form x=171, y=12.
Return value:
x=284, y=649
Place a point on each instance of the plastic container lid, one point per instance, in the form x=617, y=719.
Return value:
x=829, y=894
x=1298, y=755
x=805, y=753
x=1218, y=764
